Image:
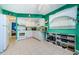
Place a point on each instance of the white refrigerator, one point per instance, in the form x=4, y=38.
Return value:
x=3, y=32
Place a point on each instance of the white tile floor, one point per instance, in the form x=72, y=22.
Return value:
x=35, y=47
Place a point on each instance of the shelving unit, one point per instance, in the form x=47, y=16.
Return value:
x=63, y=40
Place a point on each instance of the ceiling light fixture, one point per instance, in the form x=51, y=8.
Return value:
x=29, y=15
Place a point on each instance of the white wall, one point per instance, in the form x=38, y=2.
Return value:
x=72, y=12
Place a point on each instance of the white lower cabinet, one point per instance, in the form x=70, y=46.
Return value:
x=28, y=34
x=39, y=35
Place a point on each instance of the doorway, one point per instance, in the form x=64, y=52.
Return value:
x=12, y=29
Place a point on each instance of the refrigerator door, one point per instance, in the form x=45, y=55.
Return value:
x=3, y=33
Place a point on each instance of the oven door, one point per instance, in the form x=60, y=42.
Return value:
x=21, y=35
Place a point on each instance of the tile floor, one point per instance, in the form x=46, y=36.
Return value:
x=34, y=47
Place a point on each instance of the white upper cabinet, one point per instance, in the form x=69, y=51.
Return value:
x=31, y=22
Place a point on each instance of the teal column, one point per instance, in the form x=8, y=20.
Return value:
x=47, y=19
x=77, y=31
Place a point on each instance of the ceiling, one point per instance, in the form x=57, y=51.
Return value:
x=31, y=8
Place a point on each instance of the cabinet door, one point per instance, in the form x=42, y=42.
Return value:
x=39, y=35
x=28, y=34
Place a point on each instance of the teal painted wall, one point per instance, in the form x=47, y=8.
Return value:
x=63, y=31
x=66, y=31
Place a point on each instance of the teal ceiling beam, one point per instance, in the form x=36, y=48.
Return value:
x=6, y=12
x=30, y=15
x=61, y=8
